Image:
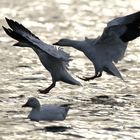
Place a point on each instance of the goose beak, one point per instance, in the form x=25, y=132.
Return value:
x=16, y=44
x=56, y=43
x=25, y=105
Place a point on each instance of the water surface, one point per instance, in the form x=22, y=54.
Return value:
x=105, y=108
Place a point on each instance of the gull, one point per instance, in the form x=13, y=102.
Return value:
x=50, y=112
x=54, y=59
x=110, y=47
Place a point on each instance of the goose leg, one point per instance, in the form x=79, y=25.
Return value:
x=47, y=89
x=91, y=78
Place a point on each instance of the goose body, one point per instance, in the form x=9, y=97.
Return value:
x=110, y=47
x=55, y=60
x=50, y=112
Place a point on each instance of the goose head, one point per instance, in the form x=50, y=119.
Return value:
x=32, y=102
x=63, y=42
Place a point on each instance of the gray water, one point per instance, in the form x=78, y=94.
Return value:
x=103, y=109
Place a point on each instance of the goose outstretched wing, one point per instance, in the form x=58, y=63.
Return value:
x=127, y=27
x=24, y=36
x=132, y=18
x=117, y=34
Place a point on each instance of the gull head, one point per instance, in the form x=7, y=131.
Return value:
x=32, y=102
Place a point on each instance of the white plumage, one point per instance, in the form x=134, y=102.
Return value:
x=50, y=112
x=110, y=47
x=54, y=59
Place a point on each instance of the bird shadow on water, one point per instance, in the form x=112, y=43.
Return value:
x=54, y=128
x=111, y=129
x=60, y=129
x=106, y=100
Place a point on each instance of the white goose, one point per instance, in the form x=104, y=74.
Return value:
x=50, y=112
x=55, y=60
x=110, y=46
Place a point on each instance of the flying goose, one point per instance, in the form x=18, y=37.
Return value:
x=50, y=112
x=55, y=60
x=110, y=47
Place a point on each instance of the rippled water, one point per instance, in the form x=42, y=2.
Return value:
x=106, y=108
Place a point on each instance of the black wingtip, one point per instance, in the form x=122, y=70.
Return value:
x=7, y=19
x=11, y=33
x=10, y=22
x=3, y=27
x=6, y=30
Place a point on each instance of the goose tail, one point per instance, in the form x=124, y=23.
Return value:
x=69, y=79
x=112, y=70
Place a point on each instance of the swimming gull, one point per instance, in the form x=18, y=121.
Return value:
x=50, y=112
x=54, y=59
x=110, y=47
